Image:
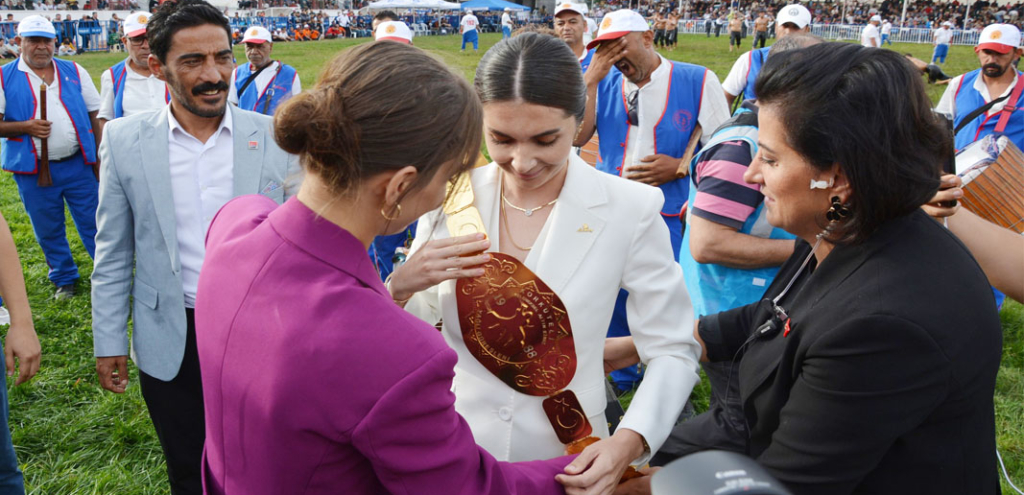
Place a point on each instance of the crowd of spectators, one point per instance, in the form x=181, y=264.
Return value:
x=920, y=13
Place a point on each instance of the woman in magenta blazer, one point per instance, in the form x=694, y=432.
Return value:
x=315, y=381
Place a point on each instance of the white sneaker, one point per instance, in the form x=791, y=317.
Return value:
x=5, y=316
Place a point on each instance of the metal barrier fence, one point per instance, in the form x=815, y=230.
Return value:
x=89, y=36
x=851, y=32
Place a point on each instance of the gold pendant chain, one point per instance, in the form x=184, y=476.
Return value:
x=504, y=217
x=526, y=211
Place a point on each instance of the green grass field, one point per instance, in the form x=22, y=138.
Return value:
x=74, y=438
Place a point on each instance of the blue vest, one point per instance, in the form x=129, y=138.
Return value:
x=586, y=59
x=715, y=288
x=671, y=132
x=280, y=87
x=757, y=60
x=967, y=99
x=118, y=76
x=18, y=153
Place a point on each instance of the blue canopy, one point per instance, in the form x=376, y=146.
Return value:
x=492, y=5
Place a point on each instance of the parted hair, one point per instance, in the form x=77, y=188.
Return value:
x=175, y=15
x=534, y=68
x=865, y=109
x=378, y=107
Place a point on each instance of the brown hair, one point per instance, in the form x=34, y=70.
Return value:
x=377, y=107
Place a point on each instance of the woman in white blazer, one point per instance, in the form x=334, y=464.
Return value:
x=587, y=234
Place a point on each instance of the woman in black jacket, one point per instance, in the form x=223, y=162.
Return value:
x=870, y=365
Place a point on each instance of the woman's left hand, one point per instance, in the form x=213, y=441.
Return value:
x=949, y=190
x=599, y=467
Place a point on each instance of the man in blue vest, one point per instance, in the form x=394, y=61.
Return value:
x=794, y=18
x=262, y=84
x=571, y=25
x=647, y=112
x=989, y=100
x=72, y=103
x=129, y=87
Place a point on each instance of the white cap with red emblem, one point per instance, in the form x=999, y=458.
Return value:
x=135, y=24
x=571, y=7
x=393, y=31
x=999, y=37
x=258, y=35
x=618, y=24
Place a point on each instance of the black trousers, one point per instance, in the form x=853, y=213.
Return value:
x=176, y=408
x=721, y=427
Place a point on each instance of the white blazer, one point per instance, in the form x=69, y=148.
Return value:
x=604, y=233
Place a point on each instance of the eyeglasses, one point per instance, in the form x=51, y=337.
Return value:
x=138, y=40
x=631, y=111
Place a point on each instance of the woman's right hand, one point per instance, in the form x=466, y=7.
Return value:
x=949, y=190
x=437, y=261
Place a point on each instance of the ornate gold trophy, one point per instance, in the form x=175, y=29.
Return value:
x=518, y=328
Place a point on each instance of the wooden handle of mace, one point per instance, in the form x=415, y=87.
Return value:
x=44, y=180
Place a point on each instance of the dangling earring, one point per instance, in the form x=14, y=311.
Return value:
x=837, y=211
x=398, y=213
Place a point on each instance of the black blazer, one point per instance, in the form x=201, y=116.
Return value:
x=884, y=381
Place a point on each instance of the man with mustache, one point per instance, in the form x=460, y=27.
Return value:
x=69, y=128
x=988, y=100
x=129, y=87
x=263, y=84
x=165, y=175
x=646, y=110
x=570, y=26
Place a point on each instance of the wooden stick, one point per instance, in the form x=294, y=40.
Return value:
x=684, y=163
x=44, y=180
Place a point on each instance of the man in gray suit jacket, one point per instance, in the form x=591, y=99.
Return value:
x=165, y=174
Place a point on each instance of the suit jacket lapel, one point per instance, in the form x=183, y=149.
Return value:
x=249, y=145
x=156, y=166
x=573, y=227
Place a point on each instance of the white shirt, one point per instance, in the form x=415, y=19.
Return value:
x=468, y=23
x=261, y=83
x=141, y=93
x=63, y=140
x=886, y=27
x=343, y=20
x=736, y=81
x=867, y=34
x=943, y=36
x=506, y=20
x=202, y=181
x=947, y=104
x=588, y=35
x=651, y=103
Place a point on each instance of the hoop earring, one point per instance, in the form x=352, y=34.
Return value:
x=837, y=211
x=398, y=213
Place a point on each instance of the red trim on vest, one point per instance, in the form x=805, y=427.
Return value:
x=60, y=91
x=35, y=108
x=1010, y=106
x=668, y=93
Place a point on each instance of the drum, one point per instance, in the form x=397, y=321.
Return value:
x=997, y=192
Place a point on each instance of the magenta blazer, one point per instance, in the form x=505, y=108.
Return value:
x=316, y=382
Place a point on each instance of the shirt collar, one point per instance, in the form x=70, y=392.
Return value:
x=131, y=72
x=24, y=67
x=981, y=87
x=322, y=239
x=270, y=67
x=173, y=125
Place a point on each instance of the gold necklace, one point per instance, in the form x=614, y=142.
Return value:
x=526, y=211
x=504, y=216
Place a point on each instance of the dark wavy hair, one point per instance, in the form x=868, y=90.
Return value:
x=867, y=110
x=175, y=15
